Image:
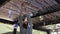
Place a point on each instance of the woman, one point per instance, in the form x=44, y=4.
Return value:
x=15, y=26
x=25, y=21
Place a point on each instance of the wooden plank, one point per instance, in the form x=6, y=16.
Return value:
x=43, y=3
x=2, y=2
x=58, y=1
x=50, y=10
x=35, y=4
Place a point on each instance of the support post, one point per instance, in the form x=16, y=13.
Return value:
x=48, y=31
x=20, y=21
x=29, y=27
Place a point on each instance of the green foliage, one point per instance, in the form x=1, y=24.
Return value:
x=57, y=17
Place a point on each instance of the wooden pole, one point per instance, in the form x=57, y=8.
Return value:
x=20, y=18
x=29, y=27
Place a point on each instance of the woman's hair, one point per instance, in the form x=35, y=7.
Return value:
x=15, y=20
x=24, y=17
x=24, y=25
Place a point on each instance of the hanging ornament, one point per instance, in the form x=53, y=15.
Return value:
x=41, y=17
x=31, y=14
x=10, y=13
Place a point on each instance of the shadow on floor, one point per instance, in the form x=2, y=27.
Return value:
x=10, y=33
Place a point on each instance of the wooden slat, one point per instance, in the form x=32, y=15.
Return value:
x=32, y=5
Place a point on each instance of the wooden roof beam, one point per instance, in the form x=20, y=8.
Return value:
x=49, y=22
x=29, y=5
x=55, y=8
x=35, y=4
x=2, y=2
x=58, y=1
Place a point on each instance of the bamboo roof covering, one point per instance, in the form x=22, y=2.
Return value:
x=16, y=6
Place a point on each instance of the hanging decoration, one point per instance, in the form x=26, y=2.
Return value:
x=10, y=13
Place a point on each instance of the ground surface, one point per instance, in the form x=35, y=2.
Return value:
x=7, y=29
